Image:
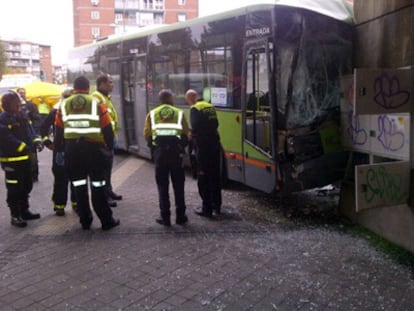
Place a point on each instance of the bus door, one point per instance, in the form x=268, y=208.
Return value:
x=135, y=103
x=128, y=103
x=114, y=68
x=141, y=107
x=258, y=147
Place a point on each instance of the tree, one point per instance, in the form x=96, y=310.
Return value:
x=3, y=59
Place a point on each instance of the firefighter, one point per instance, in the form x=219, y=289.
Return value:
x=166, y=130
x=206, y=142
x=17, y=141
x=84, y=133
x=61, y=181
x=104, y=85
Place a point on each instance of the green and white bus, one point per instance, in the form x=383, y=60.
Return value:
x=272, y=70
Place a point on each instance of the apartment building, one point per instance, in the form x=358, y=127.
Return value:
x=28, y=57
x=93, y=19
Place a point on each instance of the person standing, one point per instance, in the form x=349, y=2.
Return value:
x=206, y=141
x=84, y=133
x=104, y=85
x=43, y=109
x=29, y=108
x=166, y=130
x=61, y=180
x=17, y=141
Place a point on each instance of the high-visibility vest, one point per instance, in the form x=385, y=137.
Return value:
x=80, y=116
x=206, y=108
x=166, y=120
x=43, y=108
x=110, y=108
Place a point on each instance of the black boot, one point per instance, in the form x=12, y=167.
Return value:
x=25, y=214
x=114, y=196
x=18, y=222
x=28, y=215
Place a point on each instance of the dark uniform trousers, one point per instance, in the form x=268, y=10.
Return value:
x=61, y=182
x=85, y=160
x=19, y=184
x=108, y=172
x=209, y=177
x=168, y=161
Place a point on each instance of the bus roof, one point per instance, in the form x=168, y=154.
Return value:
x=337, y=9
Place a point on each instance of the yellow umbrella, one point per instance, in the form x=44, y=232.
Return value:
x=42, y=89
x=39, y=91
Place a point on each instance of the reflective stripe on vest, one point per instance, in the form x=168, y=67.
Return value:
x=166, y=128
x=12, y=181
x=82, y=124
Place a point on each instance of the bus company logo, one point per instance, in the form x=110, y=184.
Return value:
x=257, y=32
x=166, y=114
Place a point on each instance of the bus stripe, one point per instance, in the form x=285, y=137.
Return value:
x=254, y=162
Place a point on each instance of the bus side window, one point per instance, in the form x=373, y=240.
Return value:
x=264, y=102
x=251, y=102
x=258, y=101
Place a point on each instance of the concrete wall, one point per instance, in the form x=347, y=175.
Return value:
x=387, y=39
x=384, y=38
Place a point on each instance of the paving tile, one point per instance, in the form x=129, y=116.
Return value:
x=228, y=264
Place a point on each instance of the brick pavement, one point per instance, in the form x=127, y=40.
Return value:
x=227, y=264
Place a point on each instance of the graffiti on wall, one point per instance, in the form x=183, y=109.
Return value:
x=381, y=184
x=373, y=117
x=388, y=92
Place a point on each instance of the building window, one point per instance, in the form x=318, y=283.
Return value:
x=159, y=5
x=95, y=15
x=181, y=17
x=118, y=18
x=95, y=2
x=181, y=2
x=145, y=19
x=158, y=18
x=96, y=32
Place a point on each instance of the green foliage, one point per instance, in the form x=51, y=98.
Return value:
x=3, y=59
x=394, y=251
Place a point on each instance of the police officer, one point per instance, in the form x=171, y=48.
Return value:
x=206, y=141
x=84, y=133
x=17, y=141
x=166, y=130
x=61, y=181
x=104, y=85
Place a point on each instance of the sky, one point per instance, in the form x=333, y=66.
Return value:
x=50, y=22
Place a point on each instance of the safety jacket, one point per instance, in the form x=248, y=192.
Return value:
x=204, y=122
x=43, y=108
x=80, y=116
x=110, y=107
x=166, y=121
x=17, y=137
